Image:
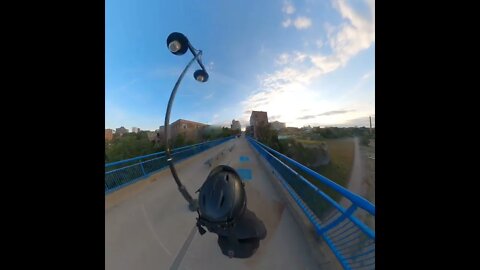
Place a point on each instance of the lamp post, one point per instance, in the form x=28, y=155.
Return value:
x=237, y=225
x=178, y=44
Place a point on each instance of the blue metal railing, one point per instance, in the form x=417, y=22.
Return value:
x=125, y=172
x=349, y=238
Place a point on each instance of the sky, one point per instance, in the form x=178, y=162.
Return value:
x=309, y=62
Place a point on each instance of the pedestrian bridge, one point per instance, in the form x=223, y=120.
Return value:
x=148, y=224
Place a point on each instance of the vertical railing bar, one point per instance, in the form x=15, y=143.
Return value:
x=338, y=231
x=341, y=218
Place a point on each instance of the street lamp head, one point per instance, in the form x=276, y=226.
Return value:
x=201, y=75
x=177, y=43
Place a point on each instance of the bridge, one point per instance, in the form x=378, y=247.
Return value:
x=148, y=224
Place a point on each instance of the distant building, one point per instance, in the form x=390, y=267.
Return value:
x=190, y=129
x=121, y=130
x=108, y=134
x=135, y=130
x=307, y=129
x=236, y=125
x=277, y=125
x=257, y=119
x=292, y=130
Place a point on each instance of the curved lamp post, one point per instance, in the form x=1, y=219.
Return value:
x=178, y=44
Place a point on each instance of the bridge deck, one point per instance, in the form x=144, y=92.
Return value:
x=148, y=224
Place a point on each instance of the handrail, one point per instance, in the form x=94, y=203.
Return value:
x=131, y=173
x=351, y=240
x=347, y=213
x=160, y=153
x=354, y=198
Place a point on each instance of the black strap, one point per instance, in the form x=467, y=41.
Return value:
x=232, y=242
x=201, y=230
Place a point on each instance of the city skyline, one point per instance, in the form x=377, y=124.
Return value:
x=243, y=127
x=307, y=63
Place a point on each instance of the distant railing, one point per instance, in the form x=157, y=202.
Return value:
x=125, y=172
x=343, y=229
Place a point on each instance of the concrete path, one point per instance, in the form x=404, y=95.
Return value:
x=148, y=224
x=356, y=183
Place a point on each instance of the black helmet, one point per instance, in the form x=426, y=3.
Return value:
x=222, y=198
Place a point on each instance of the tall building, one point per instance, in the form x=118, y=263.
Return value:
x=108, y=134
x=277, y=125
x=135, y=130
x=236, y=125
x=121, y=130
x=257, y=119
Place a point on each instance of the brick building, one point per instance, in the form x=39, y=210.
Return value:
x=257, y=119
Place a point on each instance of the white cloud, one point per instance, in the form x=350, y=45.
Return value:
x=286, y=23
x=295, y=58
x=291, y=83
x=326, y=64
x=357, y=34
x=278, y=101
x=288, y=8
x=282, y=59
x=354, y=35
x=299, y=57
x=302, y=23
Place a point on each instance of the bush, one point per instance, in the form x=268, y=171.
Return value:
x=365, y=140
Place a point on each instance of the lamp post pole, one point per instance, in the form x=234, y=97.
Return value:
x=178, y=45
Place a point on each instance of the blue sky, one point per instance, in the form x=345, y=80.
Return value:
x=304, y=62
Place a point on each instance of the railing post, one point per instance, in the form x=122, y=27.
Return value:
x=143, y=170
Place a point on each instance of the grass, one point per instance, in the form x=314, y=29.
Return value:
x=338, y=170
x=341, y=154
x=308, y=143
x=340, y=167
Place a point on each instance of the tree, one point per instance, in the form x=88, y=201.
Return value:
x=128, y=146
x=365, y=140
x=268, y=136
x=179, y=141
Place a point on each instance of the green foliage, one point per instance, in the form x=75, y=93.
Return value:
x=128, y=146
x=365, y=140
x=268, y=136
x=179, y=141
x=137, y=144
x=297, y=151
x=306, y=152
x=336, y=132
x=214, y=132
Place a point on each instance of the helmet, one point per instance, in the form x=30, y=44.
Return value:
x=222, y=198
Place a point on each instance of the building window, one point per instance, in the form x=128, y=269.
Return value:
x=184, y=126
